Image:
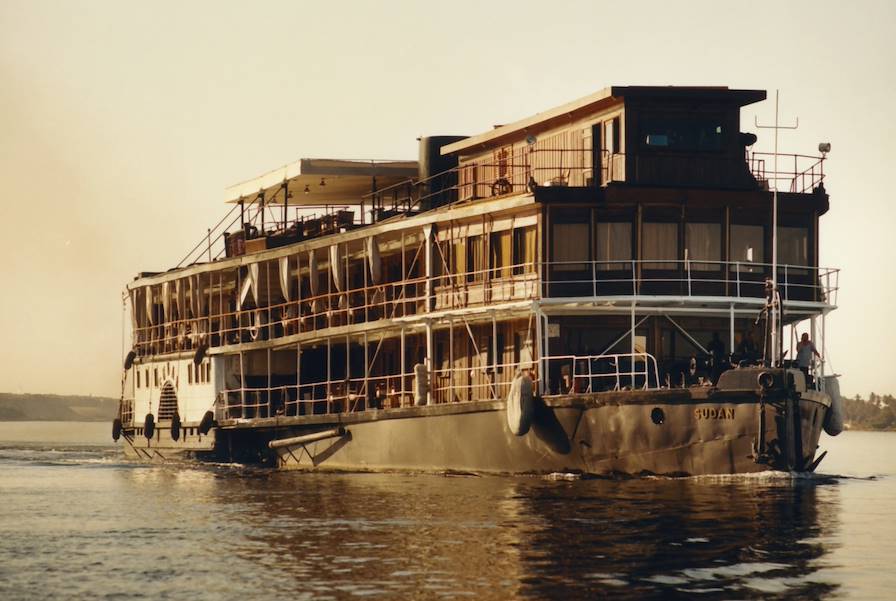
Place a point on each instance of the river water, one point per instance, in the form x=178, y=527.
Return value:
x=77, y=521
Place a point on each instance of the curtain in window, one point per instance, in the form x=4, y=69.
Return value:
x=659, y=245
x=793, y=246
x=284, y=278
x=747, y=246
x=250, y=284
x=501, y=254
x=147, y=299
x=614, y=243
x=569, y=244
x=374, y=261
x=704, y=245
x=166, y=301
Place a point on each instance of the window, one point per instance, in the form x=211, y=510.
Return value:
x=793, y=246
x=138, y=378
x=524, y=249
x=611, y=136
x=459, y=259
x=208, y=372
x=475, y=263
x=189, y=374
x=659, y=245
x=684, y=133
x=522, y=349
x=569, y=246
x=500, y=255
x=614, y=243
x=703, y=243
x=747, y=246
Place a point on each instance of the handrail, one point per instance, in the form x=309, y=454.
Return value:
x=557, y=279
x=584, y=382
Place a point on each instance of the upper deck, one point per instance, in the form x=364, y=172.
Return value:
x=646, y=196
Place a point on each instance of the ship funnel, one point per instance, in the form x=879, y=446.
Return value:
x=435, y=171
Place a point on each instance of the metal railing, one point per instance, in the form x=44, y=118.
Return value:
x=581, y=374
x=697, y=277
x=483, y=287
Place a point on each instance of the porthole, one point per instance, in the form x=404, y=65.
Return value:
x=658, y=416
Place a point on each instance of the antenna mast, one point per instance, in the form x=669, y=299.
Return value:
x=776, y=308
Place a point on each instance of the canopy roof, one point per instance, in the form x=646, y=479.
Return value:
x=327, y=181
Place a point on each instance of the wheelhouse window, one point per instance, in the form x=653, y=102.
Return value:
x=569, y=246
x=747, y=246
x=793, y=246
x=614, y=245
x=682, y=133
x=659, y=245
x=703, y=245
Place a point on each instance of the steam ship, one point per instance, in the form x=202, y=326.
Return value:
x=602, y=288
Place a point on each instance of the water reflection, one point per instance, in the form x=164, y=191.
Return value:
x=498, y=538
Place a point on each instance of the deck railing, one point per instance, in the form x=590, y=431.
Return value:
x=478, y=288
x=567, y=374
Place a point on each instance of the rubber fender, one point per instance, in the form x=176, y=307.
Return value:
x=129, y=360
x=175, y=427
x=207, y=421
x=833, y=420
x=149, y=425
x=116, y=429
x=520, y=405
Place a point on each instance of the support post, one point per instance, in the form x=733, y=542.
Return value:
x=401, y=369
x=731, y=328
x=429, y=361
x=427, y=240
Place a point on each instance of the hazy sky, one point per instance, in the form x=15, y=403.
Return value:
x=121, y=123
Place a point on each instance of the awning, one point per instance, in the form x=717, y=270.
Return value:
x=316, y=182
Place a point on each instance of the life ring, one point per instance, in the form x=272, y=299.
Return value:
x=501, y=186
x=129, y=360
x=175, y=426
x=520, y=404
x=116, y=429
x=207, y=421
x=149, y=426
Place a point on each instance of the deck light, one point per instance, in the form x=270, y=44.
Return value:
x=307, y=189
x=322, y=183
x=824, y=148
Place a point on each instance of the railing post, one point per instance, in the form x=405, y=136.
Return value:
x=737, y=271
x=593, y=278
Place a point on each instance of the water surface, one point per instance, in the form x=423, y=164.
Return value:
x=78, y=521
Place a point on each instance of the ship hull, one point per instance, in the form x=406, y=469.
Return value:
x=665, y=432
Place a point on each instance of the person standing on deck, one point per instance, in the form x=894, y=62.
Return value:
x=716, y=349
x=804, y=351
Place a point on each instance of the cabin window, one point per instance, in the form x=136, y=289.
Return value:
x=475, y=263
x=524, y=249
x=793, y=246
x=208, y=372
x=189, y=374
x=682, y=133
x=747, y=246
x=138, y=378
x=522, y=349
x=659, y=245
x=614, y=243
x=155, y=375
x=500, y=254
x=611, y=135
x=569, y=246
x=703, y=245
x=459, y=259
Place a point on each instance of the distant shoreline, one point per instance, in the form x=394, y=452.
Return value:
x=53, y=407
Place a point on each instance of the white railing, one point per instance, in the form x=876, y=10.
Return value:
x=738, y=279
x=580, y=374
